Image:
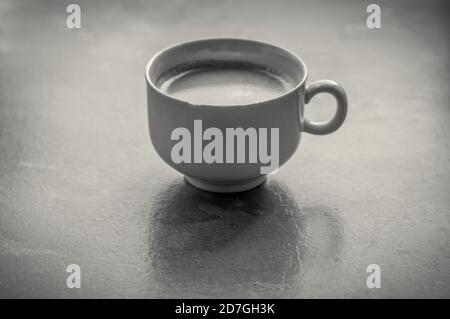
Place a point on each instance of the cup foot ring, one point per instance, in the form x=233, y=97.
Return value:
x=230, y=187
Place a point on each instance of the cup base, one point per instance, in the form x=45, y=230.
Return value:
x=229, y=187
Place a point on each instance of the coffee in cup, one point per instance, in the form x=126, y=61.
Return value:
x=227, y=112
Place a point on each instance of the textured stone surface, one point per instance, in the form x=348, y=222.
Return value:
x=80, y=182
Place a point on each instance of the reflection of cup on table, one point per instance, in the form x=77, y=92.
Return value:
x=226, y=112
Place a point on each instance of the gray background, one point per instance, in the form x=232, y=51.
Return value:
x=80, y=182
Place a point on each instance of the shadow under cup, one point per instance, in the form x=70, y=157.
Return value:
x=262, y=243
x=284, y=112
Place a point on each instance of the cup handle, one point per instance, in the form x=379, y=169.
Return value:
x=333, y=88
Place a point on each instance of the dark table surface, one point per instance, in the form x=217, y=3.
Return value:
x=80, y=182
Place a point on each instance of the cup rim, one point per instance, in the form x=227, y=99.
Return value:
x=183, y=43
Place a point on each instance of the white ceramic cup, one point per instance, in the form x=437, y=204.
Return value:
x=285, y=112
